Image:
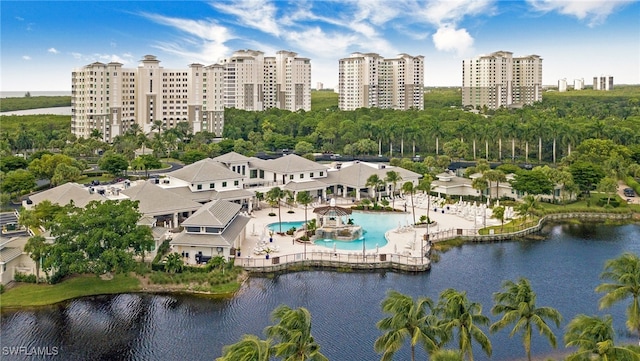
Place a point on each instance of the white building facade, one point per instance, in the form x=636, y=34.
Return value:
x=603, y=82
x=368, y=80
x=499, y=79
x=111, y=99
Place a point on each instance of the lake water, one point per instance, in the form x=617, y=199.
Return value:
x=564, y=269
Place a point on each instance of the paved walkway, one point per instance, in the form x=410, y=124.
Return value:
x=257, y=232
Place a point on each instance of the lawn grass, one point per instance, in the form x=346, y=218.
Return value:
x=30, y=295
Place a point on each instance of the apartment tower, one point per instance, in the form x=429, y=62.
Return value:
x=500, y=80
x=111, y=99
x=368, y=80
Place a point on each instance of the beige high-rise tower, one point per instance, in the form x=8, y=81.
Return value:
x=368, y=80
x=110, y=99
x=499, y=79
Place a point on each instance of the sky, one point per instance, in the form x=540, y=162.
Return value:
x=41, y=42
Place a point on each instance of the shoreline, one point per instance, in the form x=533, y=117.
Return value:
x=143, y=284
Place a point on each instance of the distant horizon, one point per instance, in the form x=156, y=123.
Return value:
x=570, y=86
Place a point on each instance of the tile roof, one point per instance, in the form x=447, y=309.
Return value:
x=66, y=193
x=218, y=213
x=306, y=185
x=356, y=175
x=154, y=200
x=231, y=157
x=204, y=170
x=213, y=240
x=199, y=196
x=233, y=194
x=12, y=248
x=291, y=163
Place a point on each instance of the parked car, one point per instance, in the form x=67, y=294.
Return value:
x=629, y=192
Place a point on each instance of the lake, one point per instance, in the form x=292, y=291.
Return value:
x=564, y=269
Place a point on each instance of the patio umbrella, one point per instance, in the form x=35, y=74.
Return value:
x=376, y=248
x=334, y=247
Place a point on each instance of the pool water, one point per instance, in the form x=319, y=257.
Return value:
x=275, y=227
x=374, y=226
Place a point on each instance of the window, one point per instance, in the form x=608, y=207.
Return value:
x=235, y=183
x=261, y=174
x=224, y=184
x=253, y=173
x=321, y=174
x=212, y=185
x=311, y=175
x=193, y=229
x=301, y=176
x=199, y=187
x=291, y=176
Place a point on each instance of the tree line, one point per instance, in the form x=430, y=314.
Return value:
x=450, y=328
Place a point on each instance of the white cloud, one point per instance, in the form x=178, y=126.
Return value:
x=316, y=41
x=440, y=12
x=26, y=57
x=53, y=51
x=378, y=12
x=594, y=11
x=448, y=38
x=19, y=18
x=126, y=58
x=207, y=43
x=257, y=14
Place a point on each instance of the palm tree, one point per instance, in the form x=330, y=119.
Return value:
x=526, y=208
x=293, y=333
x=274, y=195
x=498, y=213
x=173, y=263
x=517, y=305
x=250, y=347
x=36, y=246
x=497, y=176
x=594, y=337
x=217, y=262
x=408, y=188
x=463, y=316
x=425, y=186
x=480, y=184
x=393, y=177
x=304, y=198
x=408, y=319
x=374, y=182
x=624, y=274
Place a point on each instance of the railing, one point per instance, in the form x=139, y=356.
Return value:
x=472, y=234
x=330, y=259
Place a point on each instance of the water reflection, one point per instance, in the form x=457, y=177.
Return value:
x=345, y=307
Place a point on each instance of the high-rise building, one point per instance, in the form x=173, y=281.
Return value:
x=499, y=79
x=603, y=82
x=562, y=85
x=368, y=80
x=111, y=99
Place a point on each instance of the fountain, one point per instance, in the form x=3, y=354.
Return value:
x=333, y=225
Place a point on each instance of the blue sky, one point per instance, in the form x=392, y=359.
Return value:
x=42, y=41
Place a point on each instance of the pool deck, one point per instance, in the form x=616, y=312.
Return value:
x=398, y=238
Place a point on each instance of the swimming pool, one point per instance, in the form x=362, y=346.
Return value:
x=375, y=225
x=285, y=226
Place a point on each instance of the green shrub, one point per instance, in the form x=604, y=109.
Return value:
x=271, y=214
x=1, y=289
x=21, y=277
